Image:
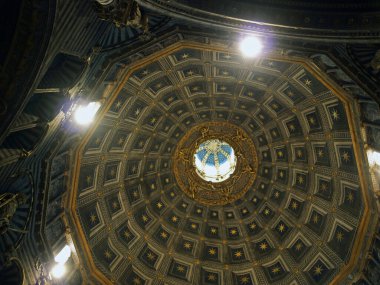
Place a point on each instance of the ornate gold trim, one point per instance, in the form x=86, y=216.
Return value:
x=236, y=185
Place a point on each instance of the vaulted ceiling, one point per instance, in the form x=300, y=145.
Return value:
x=301, y=220
x=301, y=206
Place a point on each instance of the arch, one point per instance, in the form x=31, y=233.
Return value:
x=12, y=274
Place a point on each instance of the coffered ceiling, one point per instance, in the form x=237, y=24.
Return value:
x=301, y=222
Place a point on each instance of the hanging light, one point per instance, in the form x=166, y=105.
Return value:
x=63, y=255
x=373, y=157
x=251, y=46
x=58, y=270
x=85, y=114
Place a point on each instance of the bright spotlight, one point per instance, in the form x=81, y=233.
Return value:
x=63, y=255
x=251, y=46
x=58, y=270
x=373, y=157
x=84, y=115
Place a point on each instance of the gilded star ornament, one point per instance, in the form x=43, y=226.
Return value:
x=153, y=120
x=151, y=256
x=238, y=254
x=276, y=270
x=174, y=219
x=346, y=157
x=315, y=219
x=127, y=234
x=93, y=218
x=187, y=245
x=214, y=230
x=312, y=120
x=211, y=277
x=136, y=281
x=164, y=235
x=263, y=246
x=335, y=114
x=118, y=104
x=299, y=246
x=318, y=270
x=252, y=226
x=320, y=153
x=350, y=197
x=300, y=179
x=294, y=205
x=292, y=127
x=115, y=205
x=307, y=82
x=120, y=141
x=274, y=106
x=324, y=187
x=281, y=228
x=144, y=218
x=89, y=179
x=245, y=280
x=339, y=236
x=107, y=254
x=212, y=251
x=180, y=268
x=290, y=93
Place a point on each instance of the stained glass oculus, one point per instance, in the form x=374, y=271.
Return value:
x=215, y=160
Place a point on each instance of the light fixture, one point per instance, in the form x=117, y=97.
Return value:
x=373, y=157
x=251, y=46
x=63, y=255
x=85, y=114
x=58, y=270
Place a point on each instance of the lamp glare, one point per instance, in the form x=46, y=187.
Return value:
x=63, y=255
x=58, y=270
x=84, y=115
x=373, y=157
x=251, y=46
